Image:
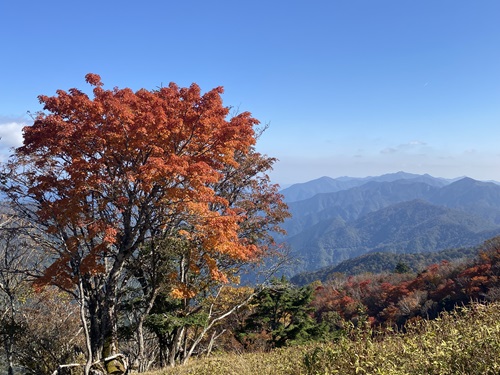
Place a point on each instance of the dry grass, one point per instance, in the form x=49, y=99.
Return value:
x=466, y=342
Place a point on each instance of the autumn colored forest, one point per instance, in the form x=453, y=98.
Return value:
x=127, y=220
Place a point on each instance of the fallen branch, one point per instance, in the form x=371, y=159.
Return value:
x=107, y=359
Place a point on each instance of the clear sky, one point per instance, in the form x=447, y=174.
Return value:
x=348, y=87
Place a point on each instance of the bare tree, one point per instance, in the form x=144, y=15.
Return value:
x=19, y=262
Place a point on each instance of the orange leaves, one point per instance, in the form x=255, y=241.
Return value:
x=215, y=273
x=58, y=273
x=112, y=171
x=92, y=265
x=182, y=292
x=93, y=79
x=110, y=235
x=220, y=234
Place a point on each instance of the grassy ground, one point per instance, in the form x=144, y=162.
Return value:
x=466, y=342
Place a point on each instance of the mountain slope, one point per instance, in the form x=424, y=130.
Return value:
x=477, y=197
x=298, y=192
x=414, y=226
x=353, y=203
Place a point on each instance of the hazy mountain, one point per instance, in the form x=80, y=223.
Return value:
x=408, y=227
x=301, y=191
x=298, y=192
x=477, y=197
x=353, y=203
x=397, y=213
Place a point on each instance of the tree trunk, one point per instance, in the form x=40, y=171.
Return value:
x=102, y=332
x=8, y=351
x=83, y=319
x=143, y=361
x=109, y=325
x=114, y=364
x=176, y=345
x=9, y=340
x=94, y=315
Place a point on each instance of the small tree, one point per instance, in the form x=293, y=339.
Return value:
x=402, y=267
x=282, y=316
x=52, y=333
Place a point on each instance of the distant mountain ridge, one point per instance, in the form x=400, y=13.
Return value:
x=326, y=184
x=399, y=213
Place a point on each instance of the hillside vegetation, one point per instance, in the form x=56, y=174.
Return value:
x=384, y=262
x=463, y=342
x=391, y=323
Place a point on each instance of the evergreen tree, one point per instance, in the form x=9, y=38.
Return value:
x=282, y=315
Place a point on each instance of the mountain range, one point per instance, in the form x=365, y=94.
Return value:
x=338, y=219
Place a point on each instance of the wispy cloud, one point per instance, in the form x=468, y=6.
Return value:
x=403, y=147
x=388, y=150
x=415, y=143
x=11, y=133
x=470, y=151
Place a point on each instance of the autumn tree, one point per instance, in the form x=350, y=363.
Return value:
x=247, y=189
x=124, y=171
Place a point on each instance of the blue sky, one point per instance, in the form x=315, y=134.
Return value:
x=348, y=87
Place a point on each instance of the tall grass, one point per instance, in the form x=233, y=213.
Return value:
x=464, y=342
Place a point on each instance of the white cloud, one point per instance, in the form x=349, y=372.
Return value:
x=470, y=151
x=11, y=135
x=411, y=145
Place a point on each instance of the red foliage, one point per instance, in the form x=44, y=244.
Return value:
x=108, y=172
x=388, y=300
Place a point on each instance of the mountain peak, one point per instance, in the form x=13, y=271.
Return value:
x=467, y=182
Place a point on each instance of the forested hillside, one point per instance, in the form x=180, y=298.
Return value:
x=397, y=213
x=375, y=263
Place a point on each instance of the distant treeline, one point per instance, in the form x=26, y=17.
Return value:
x=384, y=262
